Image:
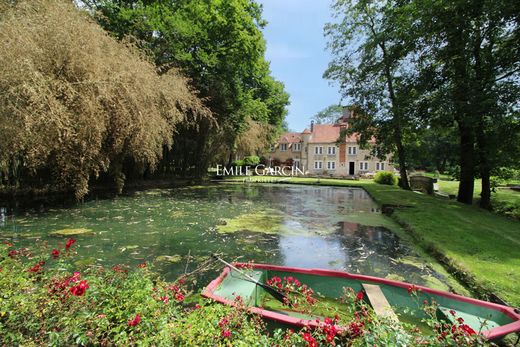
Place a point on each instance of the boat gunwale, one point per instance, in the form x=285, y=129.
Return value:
x=209, y=292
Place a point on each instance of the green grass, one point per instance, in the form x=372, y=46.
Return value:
x=505, y=201
x=482, y=247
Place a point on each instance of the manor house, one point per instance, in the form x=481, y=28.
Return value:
x=318, y=152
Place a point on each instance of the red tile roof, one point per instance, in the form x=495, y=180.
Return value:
x=321, y=133
x=324, y=133
x=290, y=138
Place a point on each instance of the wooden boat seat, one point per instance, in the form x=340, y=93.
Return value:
x=379, y=302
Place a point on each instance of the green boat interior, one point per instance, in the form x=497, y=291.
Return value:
x=390, y=301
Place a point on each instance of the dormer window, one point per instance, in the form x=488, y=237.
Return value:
x=297, y=147
x=283, y=147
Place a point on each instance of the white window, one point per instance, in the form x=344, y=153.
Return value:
x=283, y=147
x=352, y=150
x=331, y=150
x=297, y=147
x=318, y=150
x=380, y=166
x=331, y=165
x=363, y=166
x=296, y=163
x=318, y=165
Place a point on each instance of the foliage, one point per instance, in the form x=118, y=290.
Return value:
x=386, y=177
x=467, y=73
x=251, y=160
x=238, y=162
x=370, y=65
x=220, y=46
x=328, y=115
x=44, y=302
x=77, y=104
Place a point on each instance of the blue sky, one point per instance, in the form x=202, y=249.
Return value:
x=296, y=50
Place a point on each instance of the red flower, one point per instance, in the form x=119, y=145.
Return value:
x=225, y=333
x=134, y=321
x=164, y=299
x=9, y=244
x=467, y=329
x=80, y=289
x=359, y=296
x=37, y=268
x=307, y=337
x=12, y=253
x=197, y=307
x=69, y=243
x=328, y=321
x=223, y=322
x=452, y=312
x=179, y=297
x=142, y=265
x=460, y=320
x=55, y=253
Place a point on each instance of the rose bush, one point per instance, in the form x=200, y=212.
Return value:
x=45, y=300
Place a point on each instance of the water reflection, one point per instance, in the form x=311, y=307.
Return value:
x=314, y=227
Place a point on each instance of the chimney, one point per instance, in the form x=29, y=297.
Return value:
x=312, y=126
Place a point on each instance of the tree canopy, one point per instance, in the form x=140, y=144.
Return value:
x=75, y=103
x=220, y=46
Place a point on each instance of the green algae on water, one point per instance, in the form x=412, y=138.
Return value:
x=260, y=222
x=71, y=232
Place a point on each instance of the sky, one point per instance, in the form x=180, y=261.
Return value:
x=296, y=50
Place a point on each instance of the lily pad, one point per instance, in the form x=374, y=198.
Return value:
x=71, y=232
x=169, y=258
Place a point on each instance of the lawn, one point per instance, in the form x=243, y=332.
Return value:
x=479, y=246
x=504, y=201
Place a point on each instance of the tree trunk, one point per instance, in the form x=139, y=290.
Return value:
x=485, y=167
x=403, y=182
x=467, y=164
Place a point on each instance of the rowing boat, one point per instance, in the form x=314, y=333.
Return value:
x=388, y=298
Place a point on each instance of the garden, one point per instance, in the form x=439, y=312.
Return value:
x=45, y=301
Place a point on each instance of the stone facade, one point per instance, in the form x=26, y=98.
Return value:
x=318, y=152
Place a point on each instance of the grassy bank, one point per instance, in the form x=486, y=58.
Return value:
x=478, y=246
x=505, y=201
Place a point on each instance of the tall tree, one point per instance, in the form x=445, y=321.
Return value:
x=468, y=51
x=220, y=46
x=329, y=115
x=80, y=104
x=369, y=66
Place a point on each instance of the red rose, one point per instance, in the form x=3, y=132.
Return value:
x=359, y=296
x=225, y=333
x=55, y=253
x=69, y=243
x=134, y=321
x=80, y=289
x=36, y=268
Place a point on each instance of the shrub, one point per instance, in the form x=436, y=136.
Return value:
x=386, y=177
x=79, y=103
x=251, y=160
x=237, y=162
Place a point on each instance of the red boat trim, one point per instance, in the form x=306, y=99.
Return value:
x=491, y=334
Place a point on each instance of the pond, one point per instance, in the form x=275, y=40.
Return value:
x=302, y=226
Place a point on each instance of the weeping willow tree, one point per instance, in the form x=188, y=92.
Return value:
x=75, y=103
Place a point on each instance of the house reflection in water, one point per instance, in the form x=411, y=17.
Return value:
x=368, y=233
